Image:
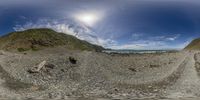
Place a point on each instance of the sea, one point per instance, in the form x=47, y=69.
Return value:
x=137, y=51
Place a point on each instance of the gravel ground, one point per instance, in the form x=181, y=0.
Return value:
x=87, y=75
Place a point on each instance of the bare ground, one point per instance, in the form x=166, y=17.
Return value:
x=99, y=75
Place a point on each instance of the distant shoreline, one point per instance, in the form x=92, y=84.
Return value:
x=137, y=51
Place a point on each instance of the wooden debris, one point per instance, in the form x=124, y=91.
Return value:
x=38, y=67
x=41, y=65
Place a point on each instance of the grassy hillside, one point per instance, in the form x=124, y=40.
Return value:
x=36, y=39
x=194, y=45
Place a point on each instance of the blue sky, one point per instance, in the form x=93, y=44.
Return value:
x=117, y=24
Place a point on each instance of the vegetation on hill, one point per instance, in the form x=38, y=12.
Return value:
x=194, y=45
x=36, y=39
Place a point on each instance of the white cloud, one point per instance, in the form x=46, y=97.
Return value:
x=137, y=35
x=173, y=38
x=69, y=27
x=152, y=43
x=83, y=32
x=183, y=45
x=23, y=2
x=141, y=44
x=127, y=46
x=165, y=38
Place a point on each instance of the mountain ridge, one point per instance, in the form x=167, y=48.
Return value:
x=193, y=45
x=36, y=39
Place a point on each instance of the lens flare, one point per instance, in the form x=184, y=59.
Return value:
x=88, y=19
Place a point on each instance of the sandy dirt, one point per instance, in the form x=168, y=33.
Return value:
x=100, y=76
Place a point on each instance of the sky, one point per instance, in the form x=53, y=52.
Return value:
x=115, y=24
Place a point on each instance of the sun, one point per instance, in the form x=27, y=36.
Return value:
x=88, y=18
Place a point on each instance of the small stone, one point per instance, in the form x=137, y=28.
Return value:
x=149, y=86
x=34, y=88
x=132, y=69
x=32, y=71
x=2, y=52
x=155, y=90
x=62, y=70
x=154, y=66
x=116, y=89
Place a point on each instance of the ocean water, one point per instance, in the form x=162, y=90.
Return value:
x=137, y=51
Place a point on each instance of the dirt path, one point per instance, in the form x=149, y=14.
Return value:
x=188, y=84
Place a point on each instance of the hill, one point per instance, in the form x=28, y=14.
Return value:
x=36, y=39
x=194, y=45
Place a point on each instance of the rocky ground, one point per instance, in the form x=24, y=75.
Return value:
x=87, y=75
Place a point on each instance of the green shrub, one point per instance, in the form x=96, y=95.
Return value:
x=35, y=49
x=21, y=49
